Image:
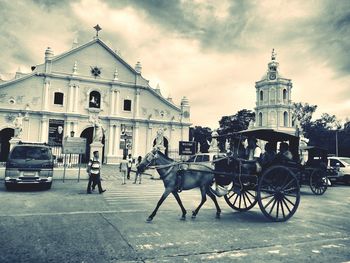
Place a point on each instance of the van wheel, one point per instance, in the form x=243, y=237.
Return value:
x=47, y=186
x=9, y=186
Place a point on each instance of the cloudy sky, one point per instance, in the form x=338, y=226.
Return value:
x=212, y=51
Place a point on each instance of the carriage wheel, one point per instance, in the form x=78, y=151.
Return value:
x=278, y=193
x=318, y=182
x=245, y=200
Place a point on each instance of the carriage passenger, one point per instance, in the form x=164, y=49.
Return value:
x=268, y=156
x=284, y=152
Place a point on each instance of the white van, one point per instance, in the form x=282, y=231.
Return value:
x=342, y=165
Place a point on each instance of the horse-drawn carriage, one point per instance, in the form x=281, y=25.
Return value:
x=275, y=187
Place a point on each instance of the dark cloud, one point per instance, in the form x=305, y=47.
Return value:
x=182, y=18
x=330, y=35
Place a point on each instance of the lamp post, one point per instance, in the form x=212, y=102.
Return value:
x=336, y=142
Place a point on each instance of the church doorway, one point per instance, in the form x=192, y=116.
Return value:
x=5, y=137
x=165, y=144
x=88, y=133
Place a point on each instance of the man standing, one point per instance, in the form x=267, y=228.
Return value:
x=129, y=165
x=94, y=170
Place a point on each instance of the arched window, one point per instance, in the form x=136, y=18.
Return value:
x=58, y=98
x=260, y=119
x=284, y=94
x=94, y=99
x=285, y=119
x=261, y=95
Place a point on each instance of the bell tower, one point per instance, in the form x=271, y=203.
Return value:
x=273, y=99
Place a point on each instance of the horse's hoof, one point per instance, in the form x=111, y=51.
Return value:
x=194, y=215
x=183, y=218
x=149, y=220
x=217, y=216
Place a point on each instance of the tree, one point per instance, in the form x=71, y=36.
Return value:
x=201, y=135
x=237, y=122
x=234, y=123
x=302, y=112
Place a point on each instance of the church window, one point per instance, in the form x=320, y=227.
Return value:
x=58, y=98
x=94, y=99
x=260, y=119
x=127, y=105
x=261, y=95
x=285, y=119
x=284, y=94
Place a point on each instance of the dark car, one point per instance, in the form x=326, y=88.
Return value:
x=29, y=164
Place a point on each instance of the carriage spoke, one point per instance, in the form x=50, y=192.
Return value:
x=250, y=194
x=235, y=200
x=282, y=209
x=273, y=205
x=290, y=195
x=240, y=200
x=268, y=196
x=277, y=209
x=289, y=201
x=248, y=197
x=243, y=195
x=229, y=197
x=269, y=202
x=285, y=186
x=286, y=205
x=290, y=190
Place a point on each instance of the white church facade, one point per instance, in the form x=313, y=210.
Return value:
x=273, y=100
x=90, y=82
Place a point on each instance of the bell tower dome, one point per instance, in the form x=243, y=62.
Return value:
x=273, y=99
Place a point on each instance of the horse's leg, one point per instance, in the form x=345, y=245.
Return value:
x=204, y=198
x=213, y=197
x=177, y=197
x=161, y=200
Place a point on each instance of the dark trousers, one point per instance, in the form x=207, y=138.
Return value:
x=94, y=179
x=128, y=175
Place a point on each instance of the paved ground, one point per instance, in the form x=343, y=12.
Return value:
x=65, y=224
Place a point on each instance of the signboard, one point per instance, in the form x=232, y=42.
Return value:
x=56, y=128
x=187, y=148
x=126, y=137
x=74, y=145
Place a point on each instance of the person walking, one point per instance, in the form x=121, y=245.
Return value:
x=123, y=168
x=129, y=165
x=138, y=174
x=94, y=171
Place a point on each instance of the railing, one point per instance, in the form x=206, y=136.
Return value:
x=72, y=160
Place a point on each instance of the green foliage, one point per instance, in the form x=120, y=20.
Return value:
x=302, y=112
x=201, y=135
x=237, y=122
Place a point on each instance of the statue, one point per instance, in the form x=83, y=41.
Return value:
x=18, y=124
x=98, y=128
x=214, y=142
x=160, y=137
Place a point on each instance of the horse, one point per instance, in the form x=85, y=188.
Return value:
x=197, y=175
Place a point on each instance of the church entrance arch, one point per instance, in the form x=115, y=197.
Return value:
x=165, y=144
x=88, y=133
x=5, y=137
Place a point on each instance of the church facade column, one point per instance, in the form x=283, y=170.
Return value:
x=135, y=146
x=70, y=98
x=112, y=102
x=45, y=102
x=117, y=102
x=111, y=131
x=116, y=139
x=76, y=98
x=44, y=133
x=137, y=102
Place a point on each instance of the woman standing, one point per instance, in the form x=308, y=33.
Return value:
x=138, y=174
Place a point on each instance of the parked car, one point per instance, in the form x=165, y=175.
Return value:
x=29, y=163
x=205, y=158
x=342, y=166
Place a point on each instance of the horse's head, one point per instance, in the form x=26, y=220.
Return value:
x=148, y=160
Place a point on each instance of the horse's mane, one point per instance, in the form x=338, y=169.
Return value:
x=164, y=156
